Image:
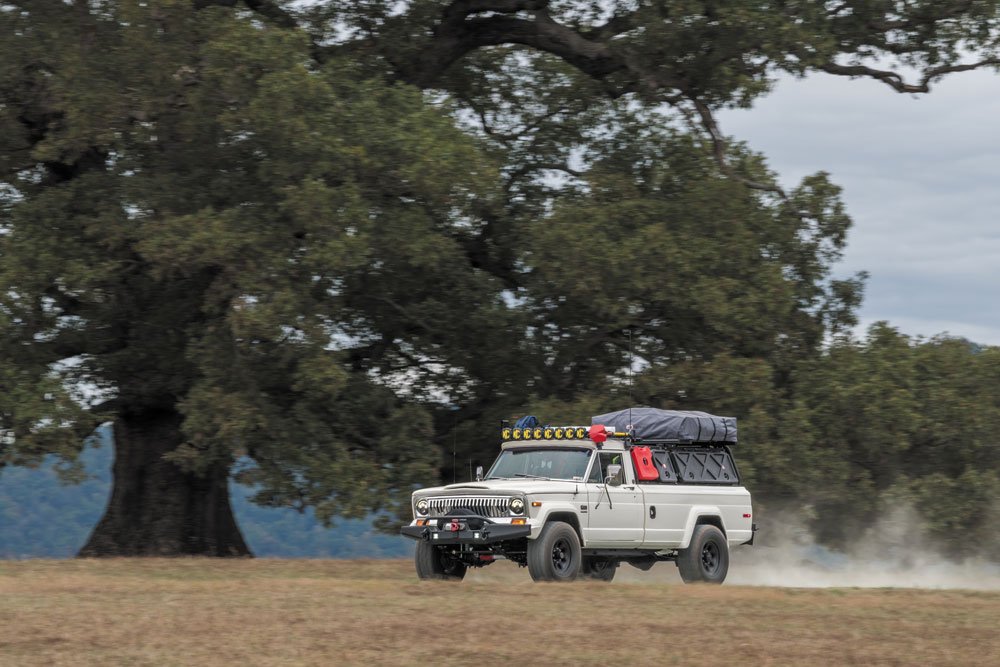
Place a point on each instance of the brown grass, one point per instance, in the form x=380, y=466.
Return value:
x=270, y=612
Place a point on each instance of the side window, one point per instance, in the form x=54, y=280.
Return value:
x=612, y=458
x=601, y=462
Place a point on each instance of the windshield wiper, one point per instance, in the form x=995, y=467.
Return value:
x=521, y=474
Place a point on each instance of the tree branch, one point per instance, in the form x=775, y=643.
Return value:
x=407, y=315
x=720, y=145
x=531, y=167
x=459, y=9
x=511, y=137
x=896, y=80
x=266, y=8
x=939, y=11
x=454, y=38
x=464, y=26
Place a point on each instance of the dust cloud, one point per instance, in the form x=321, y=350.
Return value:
x=819, y=568
x=891, y=554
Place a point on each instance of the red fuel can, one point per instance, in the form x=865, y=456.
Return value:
x=645, y=470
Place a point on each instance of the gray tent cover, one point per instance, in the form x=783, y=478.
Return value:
x=676, y=425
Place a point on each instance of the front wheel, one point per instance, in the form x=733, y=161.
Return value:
x=556, y=554
x=433, y=563
x=707, y=557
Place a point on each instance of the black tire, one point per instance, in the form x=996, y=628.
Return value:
x=433, y=563
x=600, y=568
x=707, y=559
x=556, y=554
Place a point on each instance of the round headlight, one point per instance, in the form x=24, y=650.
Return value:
x=422, y=506
x=517, y=506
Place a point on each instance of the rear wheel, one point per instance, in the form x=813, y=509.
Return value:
x=555, y=555
x=600, y=568
x=433, y=563
x=707, y=558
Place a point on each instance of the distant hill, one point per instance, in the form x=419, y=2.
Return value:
x=42, y=518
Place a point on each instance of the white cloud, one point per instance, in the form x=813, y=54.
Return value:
x=921, y=178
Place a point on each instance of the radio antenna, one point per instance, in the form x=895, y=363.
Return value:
x=630, y=361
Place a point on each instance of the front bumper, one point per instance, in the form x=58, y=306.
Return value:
x=489, y=533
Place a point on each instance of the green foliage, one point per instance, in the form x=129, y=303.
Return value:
x=719, y=52
x=345, y=250
x=916, y=421
x=864, y=428
x=204, y=221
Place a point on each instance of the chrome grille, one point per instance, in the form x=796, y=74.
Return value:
x=488, y=506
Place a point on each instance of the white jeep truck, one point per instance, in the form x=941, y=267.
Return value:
x=638, y=486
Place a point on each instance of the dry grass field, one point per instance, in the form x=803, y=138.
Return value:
x=269, y=612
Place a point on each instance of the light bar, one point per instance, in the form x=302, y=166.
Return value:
x=508, y=434
x=545, y=433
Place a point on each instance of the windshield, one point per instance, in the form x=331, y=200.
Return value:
x=562, y=463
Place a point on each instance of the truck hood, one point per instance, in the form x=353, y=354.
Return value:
x=502, y=487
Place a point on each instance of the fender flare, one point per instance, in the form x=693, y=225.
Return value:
x=695, y=513
x=565, y=511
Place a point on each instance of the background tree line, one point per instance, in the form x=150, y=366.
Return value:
x=343, y=241
x=40, y=517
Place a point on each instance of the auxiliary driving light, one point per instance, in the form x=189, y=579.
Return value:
x=517, y=506
x=422, y=506
x=505, y=434
x=538, y=433
x=559, y=434
x=548, y=434
x=516, y=434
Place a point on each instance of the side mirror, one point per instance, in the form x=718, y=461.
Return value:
x=614, y=477
x=479, y=473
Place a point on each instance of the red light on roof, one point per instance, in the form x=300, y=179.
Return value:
x=746, y=516
x=598, y=433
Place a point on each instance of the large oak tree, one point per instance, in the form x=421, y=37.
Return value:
x=332, y=237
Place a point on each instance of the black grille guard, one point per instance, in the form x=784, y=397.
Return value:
x=476, y=529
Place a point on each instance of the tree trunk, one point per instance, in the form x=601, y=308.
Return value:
x=157, y=509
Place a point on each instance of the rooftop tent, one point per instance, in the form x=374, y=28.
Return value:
x=671, y=425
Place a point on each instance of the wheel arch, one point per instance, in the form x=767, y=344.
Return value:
x=566, y=517
x=699, y=516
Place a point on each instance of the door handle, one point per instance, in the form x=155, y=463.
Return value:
x=652, y=512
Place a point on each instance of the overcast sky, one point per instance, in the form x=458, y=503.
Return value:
x=921, y=179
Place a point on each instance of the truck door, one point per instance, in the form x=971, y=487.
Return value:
x=667, y=509
x=615, y=514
